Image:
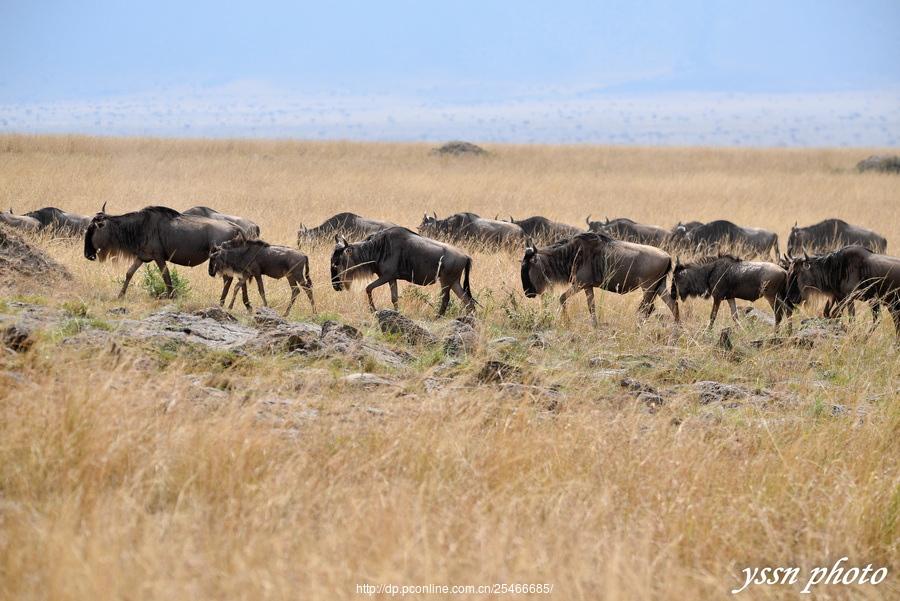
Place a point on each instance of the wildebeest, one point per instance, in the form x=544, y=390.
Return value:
x=156, y=234
x=469, y=227
x=726, y=277
x=832, y=234
x=250, y=228
x=400, y=254
x=720, y=236
x=342, y=224
x=592, y=260
x=66, y=223
x=629, y=231
x=545, y=231
x=22, y=222
x=848, y=274
x=245, y=259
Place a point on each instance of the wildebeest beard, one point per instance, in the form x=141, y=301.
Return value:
x=360, y=263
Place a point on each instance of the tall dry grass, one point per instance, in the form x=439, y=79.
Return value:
x=133, y=471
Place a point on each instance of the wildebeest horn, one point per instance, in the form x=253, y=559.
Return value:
x=337, y=238
x=103, y=208
x=531, y=244
x=435, y=215
x=805, y=254
x=588, y=219
x=344, y=241
x=795, y=225
x=511, y=220
x=607, y=218
x=677, y=261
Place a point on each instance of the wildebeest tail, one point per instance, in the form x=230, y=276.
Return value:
x=465, y=285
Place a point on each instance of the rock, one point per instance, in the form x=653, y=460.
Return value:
x=754, y=314
x=17, y=337
x=265, y=316
x=333, y=331
x=498, y=372
x=463, y=339
x=392, y=322
x=880, y=162
x=366, y=379
x=635, y=386
x=19, y=258
x=216, y=313
x=503, y=340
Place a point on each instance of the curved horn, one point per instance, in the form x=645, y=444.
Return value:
x=344, y=241
x=607, y=218
x=103, y=208
x=511, y=220
x=795, y=225
x=677, y=261
x=531, y=244
x=805, y=254
x=588, y=219
x=435, y=215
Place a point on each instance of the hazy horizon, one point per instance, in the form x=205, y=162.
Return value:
x=801, y=74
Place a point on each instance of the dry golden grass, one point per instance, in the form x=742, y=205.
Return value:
x=121, y=478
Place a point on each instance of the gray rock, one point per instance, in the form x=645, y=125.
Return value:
x=393, y=322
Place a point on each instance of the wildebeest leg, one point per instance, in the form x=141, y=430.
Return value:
x=733, y=306
x=565, y=296
x=395, y=298
x=307, y=285
x=445, y=300
x=241, y=285
x=228, y=279
x=164, y=270
x=589, y=293
x=262, y=290
x=647, y=306
x=715, y=311
x=295, y=292
x=131, y=270
x=464, y=296
x=672, y=303
x=379, y=282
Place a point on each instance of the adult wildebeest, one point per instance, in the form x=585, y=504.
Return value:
x=591, y=260
x=545, y=231
x=71, y=224
x=720, y=236
x=342, y=224
x=245, y=259
x=469, y=227
x=848, y=274
x=156, y=234
x=250, y=228
x=832, y=234
x=22, y=222
x=629, y=231
x=726, y=277
x=400, y=254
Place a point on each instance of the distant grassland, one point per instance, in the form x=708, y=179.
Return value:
x=118, y=481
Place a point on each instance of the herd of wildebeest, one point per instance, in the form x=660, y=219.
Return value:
x=832, y=259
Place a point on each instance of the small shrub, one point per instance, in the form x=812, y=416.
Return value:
x=154, y=284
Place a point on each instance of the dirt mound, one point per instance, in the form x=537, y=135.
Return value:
x=20, y=259
x=880, y=162
x=458, y=149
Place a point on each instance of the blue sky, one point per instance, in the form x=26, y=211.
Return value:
x=496, y=71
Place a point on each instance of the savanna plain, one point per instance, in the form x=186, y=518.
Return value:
x=139, y=470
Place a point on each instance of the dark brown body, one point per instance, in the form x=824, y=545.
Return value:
x=400, y=254
x=469, y=227
x=342, y=224
x=592, y=260
x=69, y=224
x=629, y=231
x=848, y=274
x=251, y=230
x=545, y=231
x=245, y=259
x=157, y=234
x=832, y=234
x=726, y=277
x=722, y=236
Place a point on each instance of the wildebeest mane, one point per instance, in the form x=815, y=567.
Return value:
x=566, y=255
x=47, y=215
x=130, y=230
x=367, y=251
x=835, y=268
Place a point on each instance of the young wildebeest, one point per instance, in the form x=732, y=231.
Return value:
x=592, y=260
x=156, y=234
x=851, y=273
x=400, y=254
x=245, y=259
x=726, y=277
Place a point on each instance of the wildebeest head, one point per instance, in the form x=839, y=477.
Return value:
x=801, y=279
x=96, y=237
x=342, y=262
x=534, y=281
x=795, y=240
x=216, y=262
x=428, y=225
